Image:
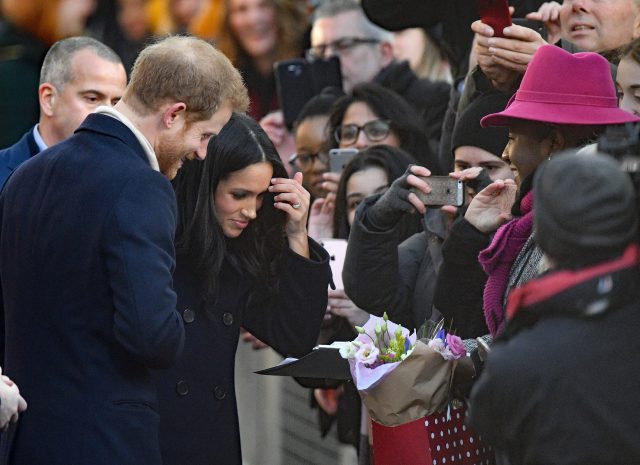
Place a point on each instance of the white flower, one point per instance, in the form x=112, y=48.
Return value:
x=436, y=344
x=348, y=350
x=367, y=353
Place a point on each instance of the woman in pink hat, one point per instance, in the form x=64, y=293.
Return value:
x=550, y=112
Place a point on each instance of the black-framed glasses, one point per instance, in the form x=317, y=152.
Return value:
x=375, y=131
x=338, y=46
x=305, y=161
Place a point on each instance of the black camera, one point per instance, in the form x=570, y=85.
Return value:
x=623, y=143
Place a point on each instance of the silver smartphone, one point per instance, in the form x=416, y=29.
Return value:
x=339, y=158
x=444, y=191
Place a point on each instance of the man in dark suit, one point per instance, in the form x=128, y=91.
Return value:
x=86, y=256
x=77, y=76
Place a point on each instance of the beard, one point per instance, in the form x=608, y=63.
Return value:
x=170, y=153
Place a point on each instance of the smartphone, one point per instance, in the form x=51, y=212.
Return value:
x=444, y=191
x=495, y=13
x=339, y=158
x=537, y=26
x=298, y=80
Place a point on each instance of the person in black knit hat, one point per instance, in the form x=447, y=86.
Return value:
x=559, y=384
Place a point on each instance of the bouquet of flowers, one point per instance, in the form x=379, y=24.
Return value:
x=404, y=383
x=400, y=378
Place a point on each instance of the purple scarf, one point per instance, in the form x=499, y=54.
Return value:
x=497, y=260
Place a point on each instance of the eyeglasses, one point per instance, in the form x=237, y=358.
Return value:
x=304, y=161
x=338, y=47
x=375, y=131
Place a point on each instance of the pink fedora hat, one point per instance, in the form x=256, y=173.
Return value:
x=563, y=88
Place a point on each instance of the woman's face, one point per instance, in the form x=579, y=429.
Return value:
x=409, y=44
x=253, y=23
x=628, y=85
x=360, y=114
x=239, y=196
x=362, y=184
x=467, y=156
x=310, y=141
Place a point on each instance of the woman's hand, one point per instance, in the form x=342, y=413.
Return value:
x=294, y=200
x=341, y=305
x=331, y=181
x=492, y=206
x=321, y=217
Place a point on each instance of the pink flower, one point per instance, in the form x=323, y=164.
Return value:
x=456, y=346
x=367, y=353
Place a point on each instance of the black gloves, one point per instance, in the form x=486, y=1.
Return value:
x=387, y=211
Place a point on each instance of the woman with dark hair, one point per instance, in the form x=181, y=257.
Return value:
x=381, y=162
x=243, y=259
x=373, y=115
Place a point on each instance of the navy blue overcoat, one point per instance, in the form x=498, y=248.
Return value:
x=86, y=261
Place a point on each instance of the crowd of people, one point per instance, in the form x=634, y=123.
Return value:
x=156, y=211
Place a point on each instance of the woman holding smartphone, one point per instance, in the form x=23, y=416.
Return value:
x=243, y=259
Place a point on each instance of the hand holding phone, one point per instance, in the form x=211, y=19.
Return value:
x=444, y=191
x=495, y=13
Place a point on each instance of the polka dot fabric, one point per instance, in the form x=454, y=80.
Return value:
x=432, y=440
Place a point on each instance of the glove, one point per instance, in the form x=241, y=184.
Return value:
x=387, y=211
x=479, y=182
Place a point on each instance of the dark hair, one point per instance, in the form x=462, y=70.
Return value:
x=392, y=160
x=200, y=241
x=319, y=105
x=388, y=105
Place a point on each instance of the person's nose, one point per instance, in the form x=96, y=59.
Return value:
x=580, y=6
x=505, y=155
x=201, y=151
x=362, y=141
x=250, y=210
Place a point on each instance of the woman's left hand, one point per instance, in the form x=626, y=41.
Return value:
x=294, y=200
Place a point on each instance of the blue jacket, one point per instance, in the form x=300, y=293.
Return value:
x=12, y=157
x=198, y=412
x=86, y=261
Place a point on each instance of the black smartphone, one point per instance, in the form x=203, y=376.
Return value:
x=495, y=13
x=537, y=26
x=339, y=158
x=444, y=191
x=298, y=80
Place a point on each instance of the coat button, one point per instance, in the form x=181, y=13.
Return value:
x=188, y=315
x=219, y=392
x=182, y=388
x=227, y=319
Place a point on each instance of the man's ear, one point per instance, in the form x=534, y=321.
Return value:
x=47, y=95
x=386, y=52
x=173, y=113
x=636, y=24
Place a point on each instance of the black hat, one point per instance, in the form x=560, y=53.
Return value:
x=584, y=208
x=468, y=131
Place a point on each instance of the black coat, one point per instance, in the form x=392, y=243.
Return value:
x=428, y=98
x=86, y=261
x=384, y=273
x=563, y=389
x=198, y=413
x=460, y=283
